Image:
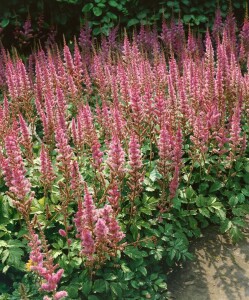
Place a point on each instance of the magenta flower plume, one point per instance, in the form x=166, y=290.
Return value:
x=244, y=35
x=178, y=148
x=218, y=26
x=87, y=242
x=135, y=160
x=136, y=104
x=165, y=144
x=119, y=123
x=116, y=157
x=47, y=172
x=114, y=196
x=44, y=268
x=235, y=130
x=115, y=232
x=90, y=213
x=97, y=154
x=86, y=122
x=101, y=230
x=78, y=219
x=25, y=139
x=65, y=153
x=62, y=232
x=60, y=295
x=35, y=255
x=14, y=168
x=76, y=179
x=68, y=60
x=78, y=65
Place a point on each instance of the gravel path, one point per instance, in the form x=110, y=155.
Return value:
x=220, y=270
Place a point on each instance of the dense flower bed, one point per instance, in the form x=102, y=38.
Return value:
x=113, y=157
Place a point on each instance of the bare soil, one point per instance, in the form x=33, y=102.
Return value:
x=220, y=270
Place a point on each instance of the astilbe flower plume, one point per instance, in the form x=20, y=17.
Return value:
x=47, y=172
x=15, y=175
x=244, y=36
x=25, y=139
x=114, y=196
x=97, y=229
x=89, y=208
x=136, y=165
x=97, y=155
x=235, y=129
x=218, y=26
x=5, y=118
x=76, y=180
x=116, y=157
x=42, y=264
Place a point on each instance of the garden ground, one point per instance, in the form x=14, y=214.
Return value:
x=220, y=270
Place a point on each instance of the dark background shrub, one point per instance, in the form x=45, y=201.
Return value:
x=51, y=19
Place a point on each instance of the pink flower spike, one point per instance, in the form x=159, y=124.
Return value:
x=116, y=157
x=90, y=209
x=62, y=232
x=101, y=230
x=87, y=243
x=135, y=160
x=59, y=295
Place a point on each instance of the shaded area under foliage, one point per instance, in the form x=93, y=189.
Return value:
x=220, y=270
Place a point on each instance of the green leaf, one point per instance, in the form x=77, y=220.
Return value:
x=142, y=15
x=15, y=244
x=217, y=205
x=142, y=270
x=132, y=22
x=246, y=191
x=73, y=291
x=113, y=3
x=86, y=287
x=205, y=212
x=134, y=253
x=14, y=259
x=235, y=234
x=4, y=255
x=96, y=31
x=3, y=244
x=187, y=18
x=163, y=285
x=5, y=23
x=170, y=3
x=97, y=11
x=110, y=276
x=134, y=231
x=215, y=186
x=116, y=289
x=87, y=7
x=233, y=200
x=99, y=286
x=192, y=223
x=93, y=297
x=155, y=175
x=5, y=269
x=239, y=222
x=190, y=193
x=246, y=178
x=111, y=15
x=177, y=203
x=225, y=226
